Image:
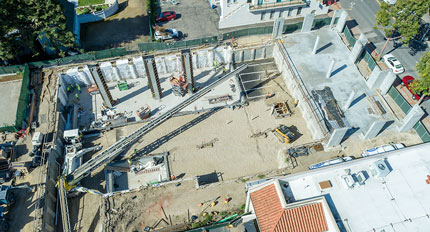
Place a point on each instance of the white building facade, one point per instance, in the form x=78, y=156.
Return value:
x=235, y=13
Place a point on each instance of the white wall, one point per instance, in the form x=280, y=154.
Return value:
x=237, y=13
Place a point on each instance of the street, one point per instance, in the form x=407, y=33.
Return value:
x=363, y=12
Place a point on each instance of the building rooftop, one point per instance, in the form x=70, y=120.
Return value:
x=274, y=214
x=384, y=201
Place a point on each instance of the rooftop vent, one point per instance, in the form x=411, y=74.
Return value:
x=380, y=168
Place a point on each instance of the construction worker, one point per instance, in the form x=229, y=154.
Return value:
x=68, y=89
x=77, y=96
x=268, y=95
x=215, y=65
x=224, y=70
x=78, y=87
x=129, y=162
x=296, y=102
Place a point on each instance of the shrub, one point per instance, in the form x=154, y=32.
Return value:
x=86, y=10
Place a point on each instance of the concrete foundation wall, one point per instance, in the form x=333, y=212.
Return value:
x=254, y=53
x=125, y=69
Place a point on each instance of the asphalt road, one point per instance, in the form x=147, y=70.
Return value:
x=363, y=12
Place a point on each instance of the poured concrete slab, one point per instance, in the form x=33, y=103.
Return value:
x=9, y=95
x=344, y=79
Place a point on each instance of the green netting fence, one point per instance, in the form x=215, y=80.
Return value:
x=21, y=111
x=405, y=107
x=152, y=46
x=349, y=36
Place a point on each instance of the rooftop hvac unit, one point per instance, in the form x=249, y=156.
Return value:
x=380, y=168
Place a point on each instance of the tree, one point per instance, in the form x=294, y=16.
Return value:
x=422, y=85
x=403, y=18
x=21, y=21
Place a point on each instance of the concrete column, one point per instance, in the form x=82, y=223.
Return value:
x=342, y=21
x=264, y=53
x=317, y=41
x=376, y=77
x=337, y=136
x=133, y=71
x=356, y=51
x=223, y=5
x=330, y=68
x=333, y=18
x=278, y=26
x=374, y=129
x=307, y=22
x=241, y=56
x=84, y=77
x=116, y=73
x=413, y=116
x=387, y=82
x=349, y=101
x=253, y=54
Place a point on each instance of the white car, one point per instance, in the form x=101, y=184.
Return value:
x=382, y=149
x=392, y=2
x=393, y=63
x=166, y=34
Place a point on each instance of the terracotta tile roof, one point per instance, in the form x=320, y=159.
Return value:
x=267, y=207
x=309, y=218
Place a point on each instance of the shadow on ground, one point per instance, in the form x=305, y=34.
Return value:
x=129, y=24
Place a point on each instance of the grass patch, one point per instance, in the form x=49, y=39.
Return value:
x=90, y=2
x=261, y=176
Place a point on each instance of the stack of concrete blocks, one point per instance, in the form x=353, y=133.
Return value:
x=307, y=106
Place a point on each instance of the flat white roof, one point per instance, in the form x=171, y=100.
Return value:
x=398, y=202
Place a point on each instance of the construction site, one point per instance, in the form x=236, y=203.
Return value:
x=168, y=141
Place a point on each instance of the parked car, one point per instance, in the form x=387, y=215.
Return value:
x=406, y=81
x=166, y=34
x=391, y=2
x=393, y=63
x=382, y=149
x=166, y=16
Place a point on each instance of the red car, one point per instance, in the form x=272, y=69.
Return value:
x=166, y=16
x=406, y=81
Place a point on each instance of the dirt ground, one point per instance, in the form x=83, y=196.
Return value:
x=129, y=26
x=235, y=157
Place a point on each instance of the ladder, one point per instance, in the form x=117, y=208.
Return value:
x=116, y=149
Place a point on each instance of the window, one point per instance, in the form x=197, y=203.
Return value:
x=228, y=1
x=263, y=14
x=249, y=1
x=272, y=13
x=278, y=0
x=234, y=0
x=299, y=10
